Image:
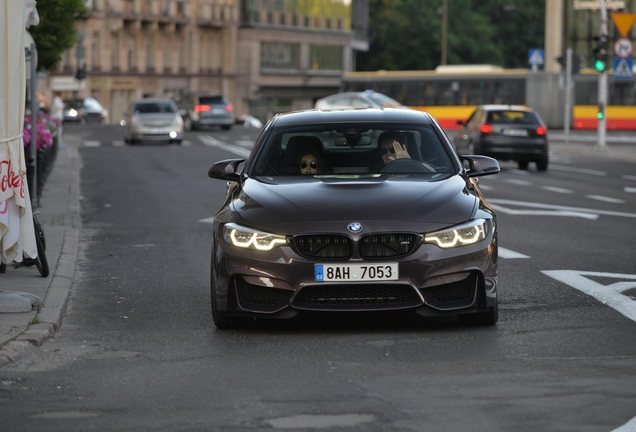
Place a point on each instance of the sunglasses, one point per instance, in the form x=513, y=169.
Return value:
x=386, y=150
x=304, y=165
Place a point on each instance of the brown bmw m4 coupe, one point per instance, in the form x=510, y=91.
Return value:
x=353, y=211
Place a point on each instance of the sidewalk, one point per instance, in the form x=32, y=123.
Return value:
x=619, y=145
x=59, y=214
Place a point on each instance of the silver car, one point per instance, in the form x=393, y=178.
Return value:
x=365, y=99
x=153, y=119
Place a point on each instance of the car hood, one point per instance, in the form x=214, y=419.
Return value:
x=330, y=204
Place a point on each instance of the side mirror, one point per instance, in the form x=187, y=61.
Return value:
x=226, y=169
x=481, y=165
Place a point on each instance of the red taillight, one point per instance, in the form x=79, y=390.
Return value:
x=486, y=128
x=541, y=130
x=201, y=108
x=229, y=108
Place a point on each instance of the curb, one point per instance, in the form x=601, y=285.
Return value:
x=52, y=309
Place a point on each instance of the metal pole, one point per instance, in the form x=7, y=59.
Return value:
x=602, y=86
x=444, y=30
x=33, y=188
x=568, y=95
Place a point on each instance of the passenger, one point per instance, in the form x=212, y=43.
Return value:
x=310, y=163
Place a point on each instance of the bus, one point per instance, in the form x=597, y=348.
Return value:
x=451, y=93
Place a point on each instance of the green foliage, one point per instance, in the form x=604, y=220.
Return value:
x=407, y=34
x=56, y=32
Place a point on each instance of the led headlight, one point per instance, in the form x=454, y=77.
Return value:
x=461, y=235
x=244, y=237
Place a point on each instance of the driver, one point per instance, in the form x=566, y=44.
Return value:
x=392, y=146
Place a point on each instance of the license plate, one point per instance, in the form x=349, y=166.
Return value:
x=218, y=111
x=515, y=132
x=355, y=272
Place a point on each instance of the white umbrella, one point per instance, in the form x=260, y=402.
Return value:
x=17, y=236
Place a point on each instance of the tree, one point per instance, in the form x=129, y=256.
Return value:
x=56, y=32
x=406, y=34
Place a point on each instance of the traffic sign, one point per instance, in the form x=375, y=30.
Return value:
x=623, y=68
x=623, y=47
x=535, y=57
x=623, y=22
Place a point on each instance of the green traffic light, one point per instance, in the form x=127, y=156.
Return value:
x=599, y=65
x=599, y=115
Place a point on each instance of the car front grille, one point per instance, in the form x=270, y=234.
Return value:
x=387, y=245
x=323, y=246
x=453, y=295
x=349, y=296
x=259, y=298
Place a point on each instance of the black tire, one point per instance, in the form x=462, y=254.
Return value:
x=226, y=127
x=523, y=165
x=40, y=261
x=542, y=165
x=481, y=318
x=132, y=142
x=221, y=320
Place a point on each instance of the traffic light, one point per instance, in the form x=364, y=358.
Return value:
x=80, y=73
x=578, y=61
x=601, y=112
x=600, y=53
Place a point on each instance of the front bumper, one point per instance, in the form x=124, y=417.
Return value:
x=280, y=282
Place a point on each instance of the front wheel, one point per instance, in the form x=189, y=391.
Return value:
x=226, y=127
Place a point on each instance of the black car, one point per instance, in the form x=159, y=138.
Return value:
x=199, y=111
x=85, y=110
x=505, y=132
x=359, y=234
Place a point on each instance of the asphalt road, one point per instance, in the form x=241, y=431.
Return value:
x=138, y=349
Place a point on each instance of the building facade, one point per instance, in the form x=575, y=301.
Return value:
x=265, y=56
x=139, y=48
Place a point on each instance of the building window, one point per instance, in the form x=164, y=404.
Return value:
x=325, y=57
x=95, y=51
x=114, y=52
x=150, y=53
x=132, y=54
x=276, y=55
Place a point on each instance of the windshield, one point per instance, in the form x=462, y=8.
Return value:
x=353, y=150
x=154, y=107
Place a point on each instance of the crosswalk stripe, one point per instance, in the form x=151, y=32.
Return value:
x=92, y=143
x=606, y=199
x=557, y=189
x=509, y=254
x=118, y=144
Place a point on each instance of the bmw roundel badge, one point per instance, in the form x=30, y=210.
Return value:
x=355, y=227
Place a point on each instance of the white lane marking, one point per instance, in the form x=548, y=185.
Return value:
x=518, y=182
x=213, y=142
x=606, y=199
x=245, y=143
x=630, y=426
x=558, y=207
x=509, y=254
x=514, y=212
x=186, y=143
x=207, y=220
x=557, y=189
x=484, y=187
x=578, y=170
x=118, y=143
x=92, y=143
x=610, y=295
x=628, y=177
x=629, y=189
x=518, y=171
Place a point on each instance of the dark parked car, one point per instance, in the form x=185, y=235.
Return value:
x=505, y=132
x=85, y=110
x=200, y=111
x=414, y=234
